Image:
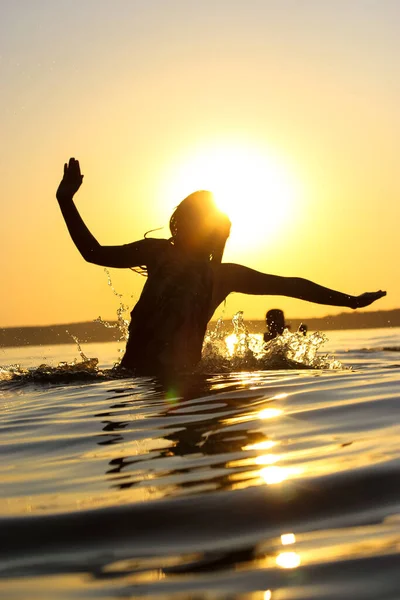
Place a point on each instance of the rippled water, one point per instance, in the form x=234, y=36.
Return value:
x=272, y=484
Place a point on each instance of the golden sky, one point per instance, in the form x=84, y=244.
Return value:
x=150, y=96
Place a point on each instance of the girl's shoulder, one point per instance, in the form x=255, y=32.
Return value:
x=156, y=243
x=157, y=249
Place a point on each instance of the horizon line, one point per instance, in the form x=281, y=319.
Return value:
x=327, y=316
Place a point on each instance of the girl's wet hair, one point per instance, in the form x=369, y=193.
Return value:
x=200, y=208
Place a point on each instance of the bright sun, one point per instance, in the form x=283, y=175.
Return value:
x=256, y=190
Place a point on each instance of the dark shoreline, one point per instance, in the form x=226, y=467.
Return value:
x=90, y=331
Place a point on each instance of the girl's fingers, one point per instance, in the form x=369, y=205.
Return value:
x=72, y=170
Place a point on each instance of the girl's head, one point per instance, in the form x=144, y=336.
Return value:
x=199, y=227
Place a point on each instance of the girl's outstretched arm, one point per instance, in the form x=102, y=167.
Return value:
x=238, y=278
x=128, y=255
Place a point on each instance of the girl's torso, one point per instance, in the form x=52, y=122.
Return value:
x=169, y=321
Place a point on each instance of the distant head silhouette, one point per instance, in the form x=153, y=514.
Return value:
x=303, y=328
x=198, y=227
x=275, y=321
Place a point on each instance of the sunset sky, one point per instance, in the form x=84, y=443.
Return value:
x=290, y=107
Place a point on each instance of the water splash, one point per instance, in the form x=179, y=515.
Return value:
x=301, y=350
x=122, y=324
x=240, y=350
x=83, y=370
x=64, y=372
x=227, y=348
x=85, y=359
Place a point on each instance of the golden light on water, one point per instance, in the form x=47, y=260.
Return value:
x=266, y=445
x=270, y=413
x=288, y=560
x=242, y=342
x=252, y=186
x=279, y=396
x=266, y=459
x=231, y=342
x=267, y=595
x=274, y=474
x=288, y=538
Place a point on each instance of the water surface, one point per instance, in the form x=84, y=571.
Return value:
x=279, y=484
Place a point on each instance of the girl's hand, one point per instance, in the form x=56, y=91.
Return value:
x=72, y=180
x=367, y=299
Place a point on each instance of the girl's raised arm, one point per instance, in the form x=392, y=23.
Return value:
x=128, y=255
x=237, y=278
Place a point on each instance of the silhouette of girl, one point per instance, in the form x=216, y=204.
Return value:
x=186, y=280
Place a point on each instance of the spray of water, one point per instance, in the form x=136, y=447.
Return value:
x=238, y=350
x=122, y=324
x=86, y=368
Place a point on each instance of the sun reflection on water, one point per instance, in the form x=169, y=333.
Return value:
x=267, y=459
x=265, y=445
x=273, y=475
x=288, y=538
x=288, y=560
x=270, y=413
